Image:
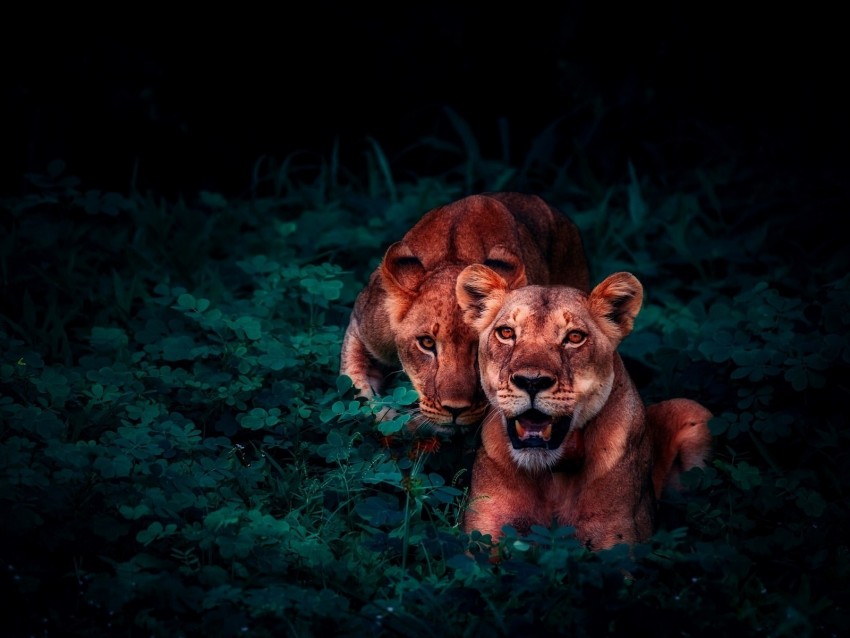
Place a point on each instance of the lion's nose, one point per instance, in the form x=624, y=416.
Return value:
x=456, y=410
x=532, y=384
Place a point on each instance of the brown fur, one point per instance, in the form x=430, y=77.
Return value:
x=411, y=297
x=681, y=440
x=569, y=439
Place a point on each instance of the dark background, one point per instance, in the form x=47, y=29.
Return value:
x=145, y=99
x=176, y=104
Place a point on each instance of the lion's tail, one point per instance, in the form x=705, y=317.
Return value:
x=681, y=438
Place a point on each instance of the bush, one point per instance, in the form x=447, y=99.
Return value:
x=181, y=458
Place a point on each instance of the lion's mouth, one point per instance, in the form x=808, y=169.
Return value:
x=533, y=429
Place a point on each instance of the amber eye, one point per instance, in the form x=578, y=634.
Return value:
x=504, y=332
x=427, y=343
x=574, y=338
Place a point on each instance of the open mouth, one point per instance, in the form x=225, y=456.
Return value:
x=533, y=429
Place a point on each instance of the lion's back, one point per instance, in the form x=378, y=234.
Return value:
x=465, y=232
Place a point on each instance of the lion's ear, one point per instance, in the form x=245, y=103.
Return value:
x=508, y=265
x=616, y=301
x=402, y=271
x=480, y=294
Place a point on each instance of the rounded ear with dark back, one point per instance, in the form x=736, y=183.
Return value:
x=402, y=271
x=616, y=301
x=480, y=294
x=508, y=264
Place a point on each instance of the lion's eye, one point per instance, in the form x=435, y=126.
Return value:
x=574, y=338
x=504, y=332
x=427, y=343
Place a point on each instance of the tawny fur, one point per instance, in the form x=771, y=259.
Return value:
x=681, y=440
x=411, y=295
x=550, y=353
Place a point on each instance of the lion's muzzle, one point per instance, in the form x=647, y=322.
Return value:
x=533, y=429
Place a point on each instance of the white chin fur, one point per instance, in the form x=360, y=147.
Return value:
x=535, y=460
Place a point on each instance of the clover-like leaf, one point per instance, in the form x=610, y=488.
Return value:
x=108, y=339
x=337, y=448
x=746, y=476
x=379, y=511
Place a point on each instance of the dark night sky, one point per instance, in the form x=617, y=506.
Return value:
x=197, y=102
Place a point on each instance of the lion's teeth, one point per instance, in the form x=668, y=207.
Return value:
x=520, y=431
x=547, y=432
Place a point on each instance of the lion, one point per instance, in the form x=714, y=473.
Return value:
x=407, y=317
x=569, y=439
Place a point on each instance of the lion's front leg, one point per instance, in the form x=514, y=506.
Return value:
x=608, y=515
x=498, y=498
x=490, y=498
x=356, y=362
x=367, y=374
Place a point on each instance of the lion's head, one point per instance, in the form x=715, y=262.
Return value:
x=437, y=349
x=547, y=355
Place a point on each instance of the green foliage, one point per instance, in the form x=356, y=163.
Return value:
x=180, y=456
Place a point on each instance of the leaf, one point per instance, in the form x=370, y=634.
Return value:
x=255, y=420
x=404, y=396
x=250, y=326
x=178, y=348
x=797, y=377
x=239, y=546
x=337, y=448
x=153, y=531
x=117, y=467
x=134, y=513
x=379, y=511
x=331, y=289
x=222, y=518
x=108, y=339
x=343, y=384
x=746, y=476
x=392, y=426
x=463, y=564
x=811, y=502
x=258, y=265
x=521, y=545
x=48, y=426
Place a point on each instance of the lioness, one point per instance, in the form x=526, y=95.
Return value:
x=407, y=316
x=569, y=439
